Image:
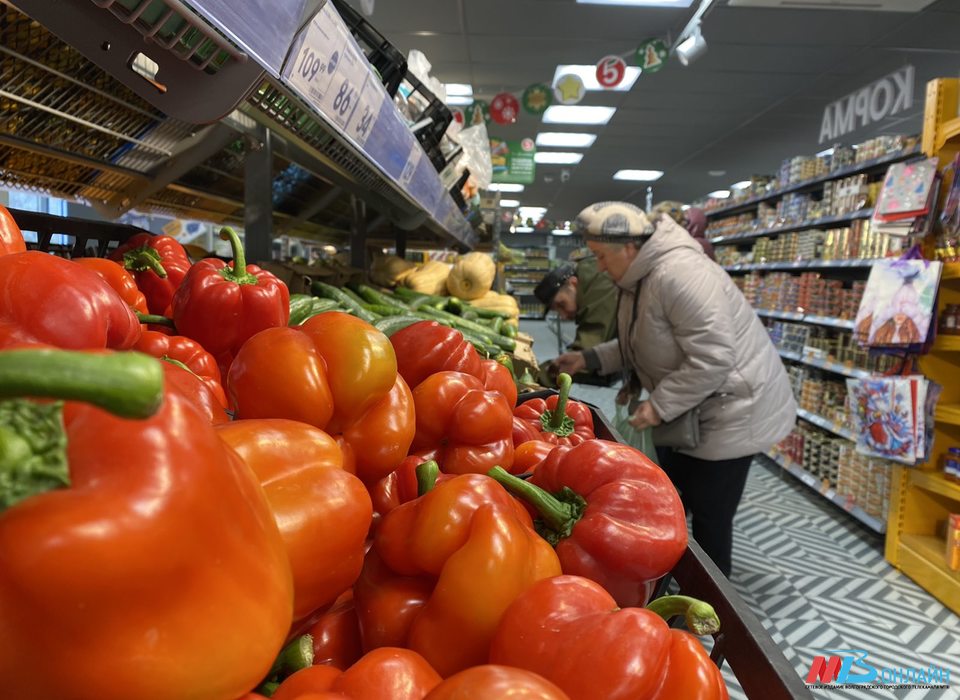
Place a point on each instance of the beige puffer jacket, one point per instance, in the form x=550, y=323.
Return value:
x=696, y=341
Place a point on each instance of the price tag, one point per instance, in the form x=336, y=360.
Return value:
x=368, y=111
x=808, y=479
x=411, y=167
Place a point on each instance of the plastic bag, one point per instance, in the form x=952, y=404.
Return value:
x=476, y=154
x=640, y=439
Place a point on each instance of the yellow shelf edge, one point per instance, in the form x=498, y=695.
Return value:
x=936, y=482
x=947, y=343
x=948, y=130
x=951, y=271
x=948, y=414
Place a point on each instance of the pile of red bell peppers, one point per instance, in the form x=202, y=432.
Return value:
x=241, y=509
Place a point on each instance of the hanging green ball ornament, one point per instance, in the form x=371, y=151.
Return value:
x=652, y=55
x=537, y=98
x=477, y=113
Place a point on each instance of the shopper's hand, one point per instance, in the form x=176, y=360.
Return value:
x=645, y=417
x=570, y=362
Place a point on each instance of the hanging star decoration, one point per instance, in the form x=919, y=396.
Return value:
x=537, y=98
x=569, y=89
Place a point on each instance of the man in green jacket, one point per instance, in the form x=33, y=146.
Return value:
x=580, y=292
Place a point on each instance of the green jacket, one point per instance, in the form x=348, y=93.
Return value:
x=596, y=306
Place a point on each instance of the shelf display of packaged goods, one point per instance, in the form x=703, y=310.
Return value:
x=283, y=144
x=788, y=228
x=826, y=424
x=801, y=265
x=835, y=367
x=855, y=169
x=875, y=524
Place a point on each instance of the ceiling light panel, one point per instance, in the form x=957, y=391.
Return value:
x=719, y=194
x=638, y=175
x=504, y=187
x=459, y=90
x=459, y=100
x=557, y=157
x=578, y=114
x=743, y=184
x=588, y=74
x=639, y=3
x=510, y=203
x=561, y=139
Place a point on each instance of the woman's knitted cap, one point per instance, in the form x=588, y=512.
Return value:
x=613, y=222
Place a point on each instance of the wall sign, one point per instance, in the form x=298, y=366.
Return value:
x=513, y=161
x=870, y=104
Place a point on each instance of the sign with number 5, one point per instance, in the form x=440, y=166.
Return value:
x=611, y=71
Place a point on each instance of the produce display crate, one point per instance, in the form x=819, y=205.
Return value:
x=432, y=123
x=81, y=237
x=742, y=643
x=386, y=59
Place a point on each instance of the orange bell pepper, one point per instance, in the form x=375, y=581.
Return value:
x=489, y=682
x=477, y=545
x=570, y=631
x=323, y=512
x=336, y=634
x=134, y=546
x=11, y=238
x=383, y=674
x=337, y=373
x=119, y=279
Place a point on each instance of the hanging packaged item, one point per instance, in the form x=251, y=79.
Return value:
x=893, y=416
x=898, y=305
x=907, y=197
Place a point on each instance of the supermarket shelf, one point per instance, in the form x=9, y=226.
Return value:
x=951, y=271
x=936, y=482
x=789, y=228
x=827, y=425
x=809, y=184
x=948, y=414
x=810, y=480
x=801, y=265
x=947, y=343
x=922, y=558
x=844, y=323
x=835, y=367
x=947, y=131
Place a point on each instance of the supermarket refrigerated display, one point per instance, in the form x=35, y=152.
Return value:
x=278, y=162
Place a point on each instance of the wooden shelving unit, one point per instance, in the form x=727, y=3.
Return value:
x=922, y=497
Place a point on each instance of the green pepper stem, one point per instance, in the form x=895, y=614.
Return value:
x=427, y=474
x=297, y=655
x=128, y=384
x=155, y=320
x=700, y=616
x=144, y=258
x=564, y=383
x=239, y=272
x=558, y=514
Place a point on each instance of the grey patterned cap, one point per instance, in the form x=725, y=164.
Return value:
x=613, y=222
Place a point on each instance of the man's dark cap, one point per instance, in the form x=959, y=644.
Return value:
x=551, y=284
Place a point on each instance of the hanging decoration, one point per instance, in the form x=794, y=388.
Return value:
x=569, y=89
x=537, y=98
x=652, y=55
x=477, y=113
x=611, y=71
x=505, y=109
x=458, y=115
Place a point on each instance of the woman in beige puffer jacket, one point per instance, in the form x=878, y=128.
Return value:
x=692, y=339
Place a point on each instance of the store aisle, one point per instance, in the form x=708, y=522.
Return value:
x=815, y=578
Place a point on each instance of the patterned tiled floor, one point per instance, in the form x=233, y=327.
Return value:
x=817, y=580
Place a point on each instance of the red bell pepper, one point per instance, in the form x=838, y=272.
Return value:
x=529, y=455
x=222, y=307
x=51, y=301
x=427, y=347
x=337, y=373
x=383, y=674
x=187, y=353
x=613, y=515
x=188, y=385
x=336, y=634
x=465, y=428
x=119, y=279
x=11, y=238
x=489, y=682
x=497, y=377
x=477, y=546
x=557, y=419
x=134, y=544
x=323, y=512
x=158, y=263
x=401, y=486
x=387, y=603
x=570, y=631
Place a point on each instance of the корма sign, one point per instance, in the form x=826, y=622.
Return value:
x=868, y=105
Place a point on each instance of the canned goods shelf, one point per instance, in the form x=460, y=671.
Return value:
x=788, y=228
x=827, y=425
x=835, y=367
x=802, y=265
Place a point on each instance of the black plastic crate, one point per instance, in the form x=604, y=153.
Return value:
x=432, y=123
x=86, y=238
x=742, y=642
x=388, y=61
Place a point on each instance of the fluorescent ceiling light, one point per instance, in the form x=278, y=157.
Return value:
x=639, y=3
x=684, y=207
x=459, y=100
x=827, y=152
x=588, y=74
x=557, y=158
x=504, y=187
x=523, y=229
x=719, y=194
x=578, y=114
x=561, y=232
x=743, y=184
x=459, y=89
x=562, y=139
x=534, y=213
x=638, y=175
x=510, y=203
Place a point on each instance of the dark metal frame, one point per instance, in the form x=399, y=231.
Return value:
x=82, y=230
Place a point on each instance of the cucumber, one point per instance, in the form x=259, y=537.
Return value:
x=486, y=313
x=391, y=324
x=497, y=326
x=509, y=330
x=349, y=304
x=377, y=298
x=470, y=315
x=462, y=324
x=381, y=310
x=304, y=306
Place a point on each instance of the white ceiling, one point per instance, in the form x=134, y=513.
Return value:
x=755, y=98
